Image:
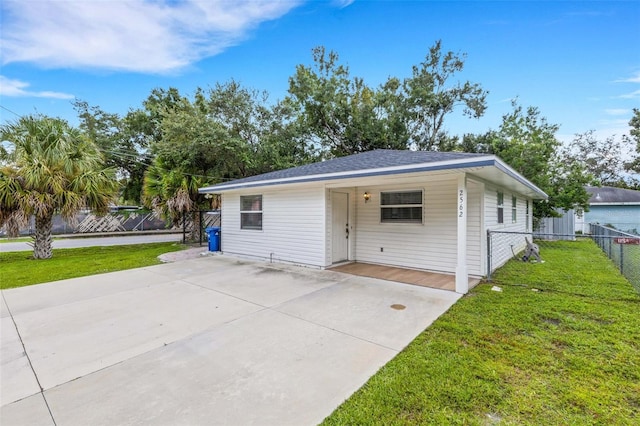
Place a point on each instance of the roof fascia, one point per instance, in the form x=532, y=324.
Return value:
x=505, y=168
x=484, y=161
x=412, y=168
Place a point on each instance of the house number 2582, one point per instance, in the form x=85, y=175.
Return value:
x=460, y=203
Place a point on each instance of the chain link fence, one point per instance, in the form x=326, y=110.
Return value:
x=622, y=248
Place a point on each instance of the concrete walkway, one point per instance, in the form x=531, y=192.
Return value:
x=212, y=340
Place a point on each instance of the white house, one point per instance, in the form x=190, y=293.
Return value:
x=413, y=209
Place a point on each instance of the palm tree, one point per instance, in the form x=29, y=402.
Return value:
x=172, y=193
x=50, y=168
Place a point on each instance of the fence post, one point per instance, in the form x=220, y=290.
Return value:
x=200, y=230
x=621, y=258
x=489, y=255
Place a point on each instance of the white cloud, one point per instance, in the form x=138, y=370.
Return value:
x=617, y=111
x=149, y=36
x=343, y=3
x=632, y=95
x=17, y=88
x=633, y=79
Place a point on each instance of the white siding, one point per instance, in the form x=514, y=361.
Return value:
x=431, y=245
x=292, y=226
x=501, y=244
x=475, y=230
x=297, y=226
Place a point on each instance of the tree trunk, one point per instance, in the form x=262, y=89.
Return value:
x=42, y=237
x=194, y=235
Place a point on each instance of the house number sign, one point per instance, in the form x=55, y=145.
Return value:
x=460, y=203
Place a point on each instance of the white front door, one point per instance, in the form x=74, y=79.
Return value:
x=340, y=226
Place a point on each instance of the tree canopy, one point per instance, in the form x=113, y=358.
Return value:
x=174, y=143
x=527, y=142
x=345, y=115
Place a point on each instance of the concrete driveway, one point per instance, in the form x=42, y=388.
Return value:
x=214, y=340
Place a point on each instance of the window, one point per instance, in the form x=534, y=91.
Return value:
x=514, y=209
x=526, y=214
x=251, y=212
x=500, y=207
x=401, y=207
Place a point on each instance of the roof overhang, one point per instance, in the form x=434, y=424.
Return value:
x=488, y=168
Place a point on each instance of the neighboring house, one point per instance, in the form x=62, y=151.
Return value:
x=611, y=206
x=412, y=209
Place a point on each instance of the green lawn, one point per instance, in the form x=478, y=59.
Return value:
x=560, y=345
x=19, y=269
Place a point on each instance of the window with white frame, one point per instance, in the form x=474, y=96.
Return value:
x=500, y=203
x=514, y=209
x=401, y=206
x=251, y=212
x=526, y=215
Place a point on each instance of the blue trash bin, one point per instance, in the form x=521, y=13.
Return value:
x=214, y=238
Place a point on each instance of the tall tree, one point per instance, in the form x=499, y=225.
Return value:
x=344, y=115
x=124, y=148
x=224, y=133
x=271, y=138
x=431, y=96
x=527, y=142
x=603, y=158
x=50, y=168
x=194, y=151
x=341, y=113
x=633, y=139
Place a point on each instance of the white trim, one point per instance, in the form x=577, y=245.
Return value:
x=462, y=275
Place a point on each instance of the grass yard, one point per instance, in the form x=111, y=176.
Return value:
x=19, y=269
x=560, y=345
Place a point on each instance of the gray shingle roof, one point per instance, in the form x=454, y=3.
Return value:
x=376, y=159
x=609, y=194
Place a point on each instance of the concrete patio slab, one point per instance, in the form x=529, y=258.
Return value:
x=4, y=310
x=285, y=283
x=76, y=339
x=296, y=379
x=357, y=303
x=214, y=340
x=30, y=411
x=25, y=299
x=18, y=380
x=208, y=265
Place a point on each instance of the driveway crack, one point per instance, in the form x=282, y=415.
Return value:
x=26, y=354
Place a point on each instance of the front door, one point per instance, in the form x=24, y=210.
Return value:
x=340, y=226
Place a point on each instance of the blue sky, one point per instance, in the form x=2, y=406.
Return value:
x=578, y=62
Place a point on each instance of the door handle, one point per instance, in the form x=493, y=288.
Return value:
x=347, y=231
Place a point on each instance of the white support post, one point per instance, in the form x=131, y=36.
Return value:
x=462, y=276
